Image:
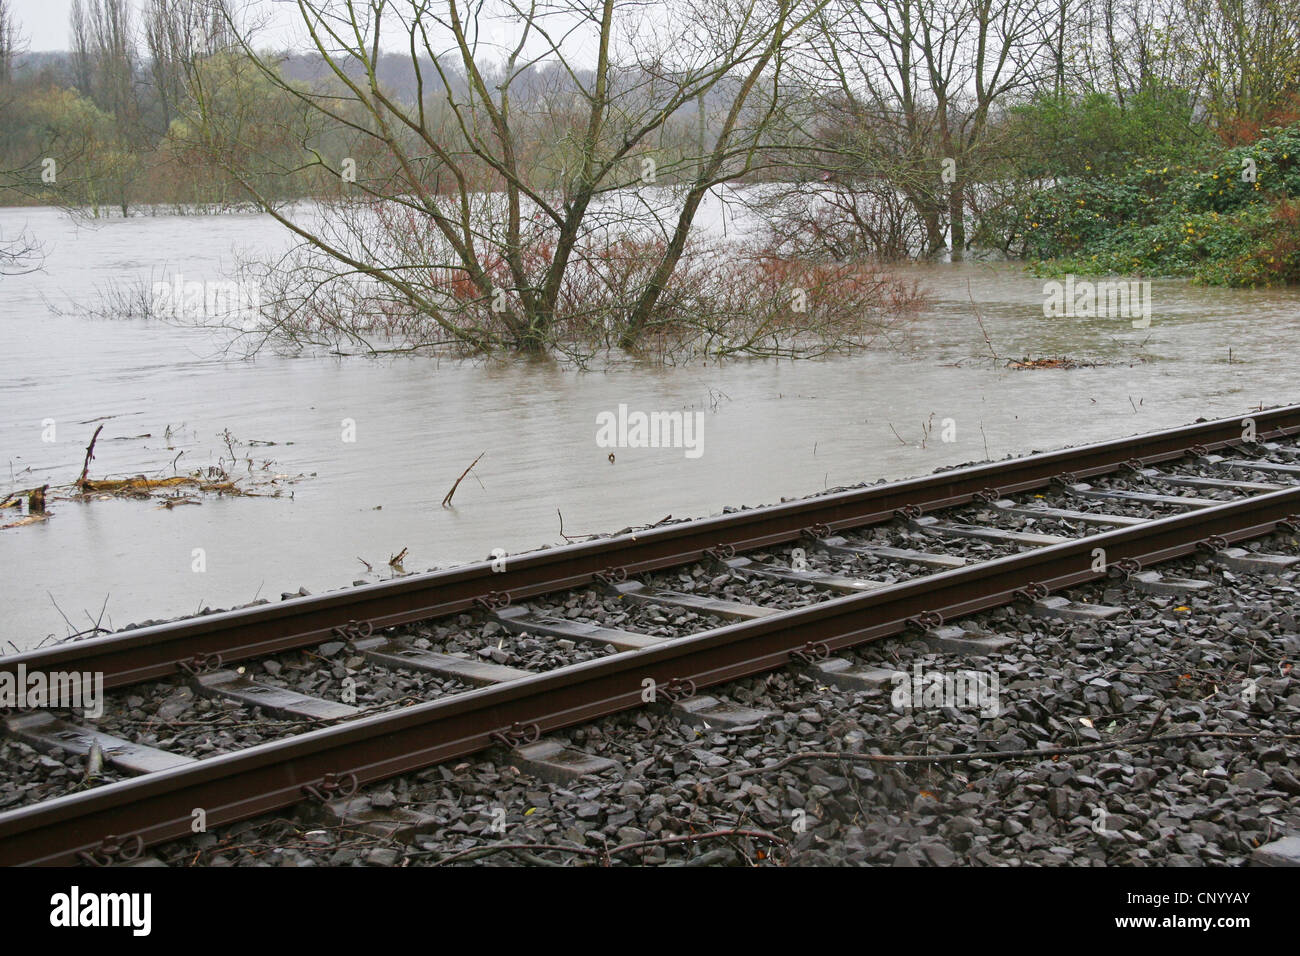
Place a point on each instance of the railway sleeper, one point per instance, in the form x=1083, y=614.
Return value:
x=645, y=594
x=277, y=700
x=1084, y=490
x=400, y=823
x=1283, y=852
x=714, y=714
x=954, y=639
x=395, y=653
x=1065, y=514
x=1247, y=464
x=522, y=619
x=834, y=582
x=954, y=529
x=1066, y=610
x=849, y=675
x=1256, y=562
x=1153, y=582
x=928, y=559
x=553, y=762
x=1153, y=474
x=48, y=733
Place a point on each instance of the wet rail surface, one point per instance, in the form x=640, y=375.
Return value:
x=675, y=608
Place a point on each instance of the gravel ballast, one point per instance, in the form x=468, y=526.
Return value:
x=1183, y=704
x=1161, y=736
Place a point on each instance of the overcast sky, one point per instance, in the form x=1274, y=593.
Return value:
x=45, y=22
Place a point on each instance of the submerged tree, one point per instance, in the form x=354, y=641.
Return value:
x=530, y=192
x=908, y=93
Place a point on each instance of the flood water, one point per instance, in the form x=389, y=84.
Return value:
x=770, y=430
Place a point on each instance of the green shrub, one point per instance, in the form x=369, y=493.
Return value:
x=1215, y=223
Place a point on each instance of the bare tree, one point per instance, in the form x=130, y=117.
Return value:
x=883, y=118
x=1008, y=46
x=105, y=61
x=1248, y=53
x=909, y=90
x=81, y=43
x=1129, y=47
x=18, y=253
x=11, y=42
x=523, y=169
x=177, y=34
x=104, y=48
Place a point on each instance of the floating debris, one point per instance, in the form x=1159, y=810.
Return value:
x=261, y=480
x=1059, y=361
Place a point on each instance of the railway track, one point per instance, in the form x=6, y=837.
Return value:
x=671, y=610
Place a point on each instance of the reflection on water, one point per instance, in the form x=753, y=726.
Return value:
x=771, y=430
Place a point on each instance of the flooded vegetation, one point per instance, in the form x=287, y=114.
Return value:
x=769, y=429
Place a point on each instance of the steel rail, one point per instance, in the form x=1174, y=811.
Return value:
x=158, y=807
x=161, y=650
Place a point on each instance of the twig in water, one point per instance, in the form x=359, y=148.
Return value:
x=980, y=319
x=95, y=624
x=71, y=629
x=926, y=428
x=577, y=536
x=896, y=435
x=562, y=534
x=90, y=455
x=365, y=562
x=446, y=502
x=714, y=393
